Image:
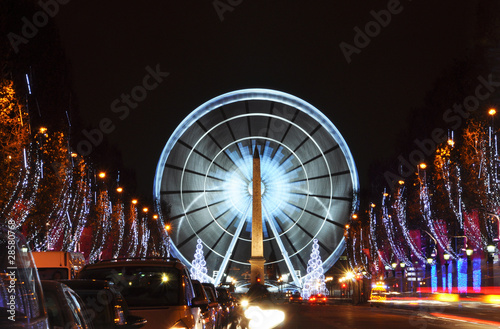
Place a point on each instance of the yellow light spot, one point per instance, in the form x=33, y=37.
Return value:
x=164, y=278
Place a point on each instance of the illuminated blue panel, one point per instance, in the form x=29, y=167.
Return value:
x=462, y=275
x=476, y=274
x=434, y=279
x=443, y=277
x=450, y=277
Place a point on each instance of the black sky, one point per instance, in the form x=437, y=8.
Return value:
x=291, y=46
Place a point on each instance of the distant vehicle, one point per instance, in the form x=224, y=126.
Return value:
x=295, y=298
x=105, y=305
x=213, y=304
x=160, y=290
x=55, y=265
x=21, y=296
x=228, y=304
x=64, y=306
x=318, y=299
x=208, y=314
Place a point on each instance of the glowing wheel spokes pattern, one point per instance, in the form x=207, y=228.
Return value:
x=309, y=182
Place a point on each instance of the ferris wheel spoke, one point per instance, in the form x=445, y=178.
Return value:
x=289, y=126
x=230, y=250
x=209, y=160
x=306, y=139
x=192, y=172
x=284, y=253
x=338, y=173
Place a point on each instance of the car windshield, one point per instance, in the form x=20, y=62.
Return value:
x=142, y=286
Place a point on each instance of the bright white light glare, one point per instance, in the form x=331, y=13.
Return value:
x=244, y=303
x=263, y=319
x=164, y=278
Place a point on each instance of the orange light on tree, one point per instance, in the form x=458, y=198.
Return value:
x=43, y=130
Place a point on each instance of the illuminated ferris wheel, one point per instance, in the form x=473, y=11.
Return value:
x=309, y=183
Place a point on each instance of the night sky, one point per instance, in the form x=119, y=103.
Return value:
x=291, y=46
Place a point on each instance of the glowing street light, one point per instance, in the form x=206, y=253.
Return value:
x=145, y=209
x=354, y=216
x=422, y=165
x=119, y=189
x=492, y=111
x=43, y=130
x=155, y=216
x=102, y=174
x=134, y=201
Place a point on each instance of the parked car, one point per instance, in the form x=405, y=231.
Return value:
x=21, y=298
x=64, y=306
x=208, y=314
x=295, y=298
x=160, y=290
x=106, y=307
x=213, y=304
x=228, y=304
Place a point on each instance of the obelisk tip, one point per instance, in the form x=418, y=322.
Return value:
x=256, y=153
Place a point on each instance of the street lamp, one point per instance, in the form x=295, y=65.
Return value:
x=469, y=251
x=491, y=248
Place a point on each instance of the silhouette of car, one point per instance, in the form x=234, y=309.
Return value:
x=105, y=305
x=64, y=307
x=318, y=299
x=21, y=296
x=295, y=298
x=158, y=289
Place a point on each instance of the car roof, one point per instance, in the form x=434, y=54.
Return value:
x=87, y=284
x=125, y=262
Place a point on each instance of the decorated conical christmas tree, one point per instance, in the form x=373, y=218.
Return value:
x=199, y=266
x=315, y=279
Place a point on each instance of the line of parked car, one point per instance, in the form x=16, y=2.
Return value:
x=121, y=294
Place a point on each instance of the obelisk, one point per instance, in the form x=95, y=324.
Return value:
x=257, y=257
